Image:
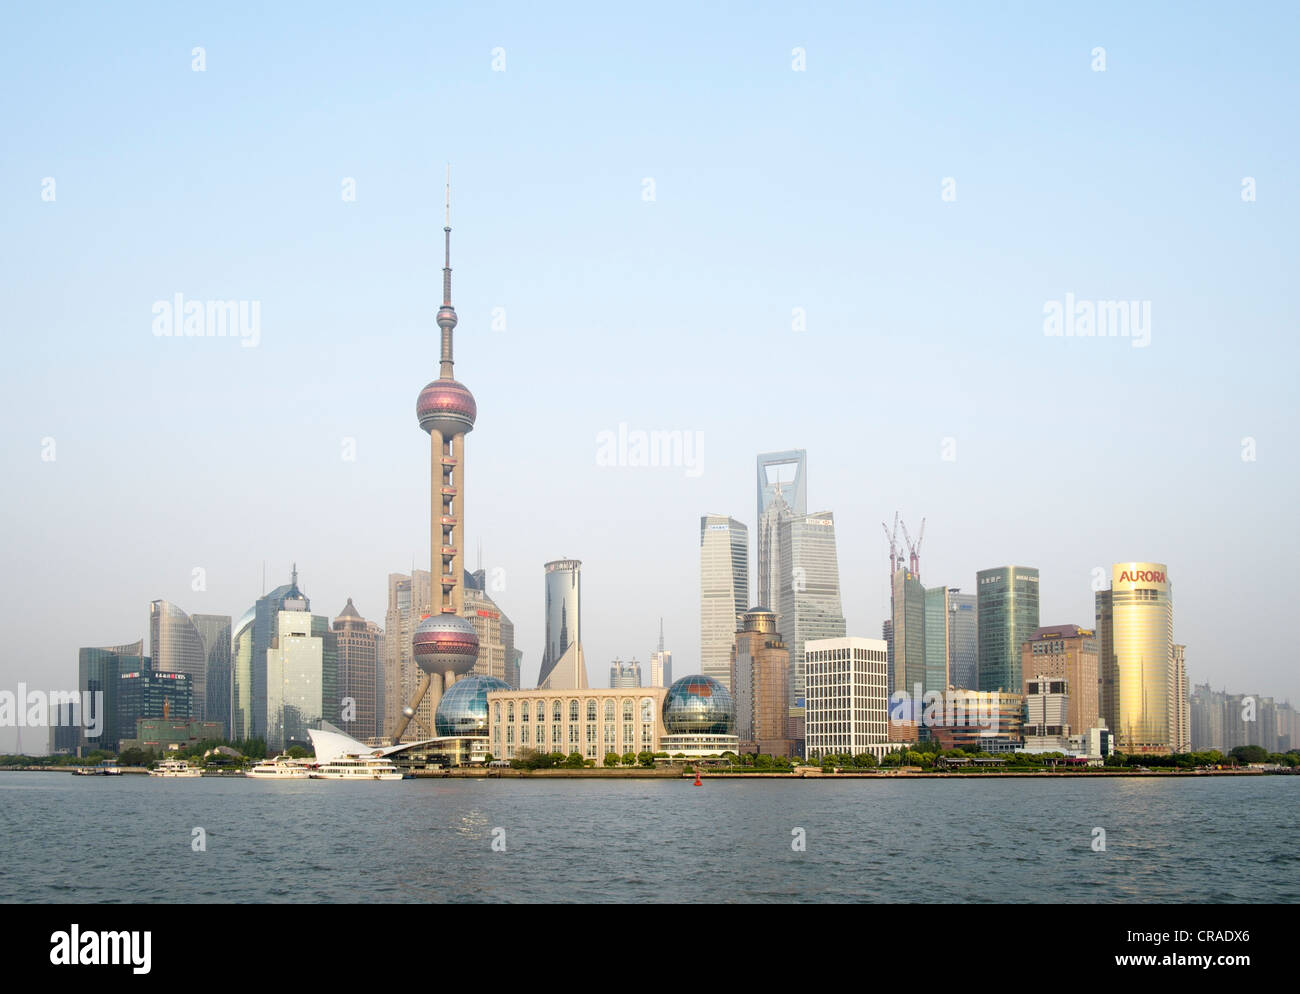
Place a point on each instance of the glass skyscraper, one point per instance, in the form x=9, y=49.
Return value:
x=963, y=640
x=724, y=589
x=249, y=644
x=99, y=673
x=1007, y=599
x=937, y=640
x=1136, y=640
x=295, y=681
x=563, y=666
x=782, y=491
x=808, y=603
x=175, y=646
x=907, y=634
x=214, y=631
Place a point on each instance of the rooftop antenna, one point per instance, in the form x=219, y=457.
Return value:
x=661, y=633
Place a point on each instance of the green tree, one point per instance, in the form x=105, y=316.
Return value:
x=645, y=758
x=611, y=759
x=574, y=762
x=1249, y=754
x=629, y=759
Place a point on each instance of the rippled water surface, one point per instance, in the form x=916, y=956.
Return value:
x=96, y=840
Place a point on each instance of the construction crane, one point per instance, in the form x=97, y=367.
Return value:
x=894, y=557
x=914, y=549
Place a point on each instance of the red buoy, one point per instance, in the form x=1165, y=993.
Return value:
x=697, y=779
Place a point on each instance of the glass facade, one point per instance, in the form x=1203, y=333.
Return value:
x=463, y=709
x=699, y=705
x=1142, y=638
x=295, y=671
x=936, y=640
x=175, y=646
x=809, y=601
x=1007, y=599
x=563, y=612
x=724, y=591
x=963, y=640
x=908, y=633
x=214, y=631
x=98, y=672
x=147, y=694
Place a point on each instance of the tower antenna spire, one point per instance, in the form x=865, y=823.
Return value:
x=447, y=313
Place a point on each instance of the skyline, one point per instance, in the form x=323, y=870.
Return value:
x=924, y=318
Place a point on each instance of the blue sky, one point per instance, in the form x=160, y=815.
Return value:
x=773, y=190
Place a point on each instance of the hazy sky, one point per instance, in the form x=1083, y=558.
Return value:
x=773, y=190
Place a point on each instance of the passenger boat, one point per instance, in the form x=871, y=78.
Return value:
x=357, y=768
x=106, y=768
x=280, y=768
x=175, y=768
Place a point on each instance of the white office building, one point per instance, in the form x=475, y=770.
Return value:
x=847, y=697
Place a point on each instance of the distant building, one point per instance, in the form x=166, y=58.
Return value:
x=760, y=682
x=1069, y=653
x=496, y=632
x=981, y=721
x=175, y=646
x=360, y=655
x=153, y=694
x=908, y=632
x=1140, y=682
x=163, y=735
x=938, y=648
x=250, y=640
x=214, y=632
x=782, y=492
x=564, y=666
x=410, y=598
x=1181, y=718
x=963, y=639
x=724, y=591
x=99, y=673
x=808, y=605
x=625, y=675
x=1007, y=602
x=847, y=709
x=1047, y=706
x=295, y=681
x=589, y=721
x=661, y=663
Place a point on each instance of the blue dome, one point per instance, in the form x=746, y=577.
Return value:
x=698, y=705
x=463, y=709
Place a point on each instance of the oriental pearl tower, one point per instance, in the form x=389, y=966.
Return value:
x=444, y=644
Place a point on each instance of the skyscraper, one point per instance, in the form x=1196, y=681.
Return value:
x=847, y=710
x=808, y=604
x=1181, y=725
x=661, y=663
x=250, y=641
x=907, y=633
x=295, y=681
x=963, y=640
x=760, y=678
x=625, y=675
x=1067, y=652
x=724, y=588
x=175, y=646
x=1008, y=614
x=938, y=649
x=563, y=665
x=1137, y=613
x=214, y=631
x=99, y=671
x=782, y=491
x=410, y=598
x=496, y=633
x=360, y=651
x=445, y=644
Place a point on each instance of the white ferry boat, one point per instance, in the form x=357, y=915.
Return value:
x=106, y=768
x=357, y=768
x=280, y=768
x=175, y=768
